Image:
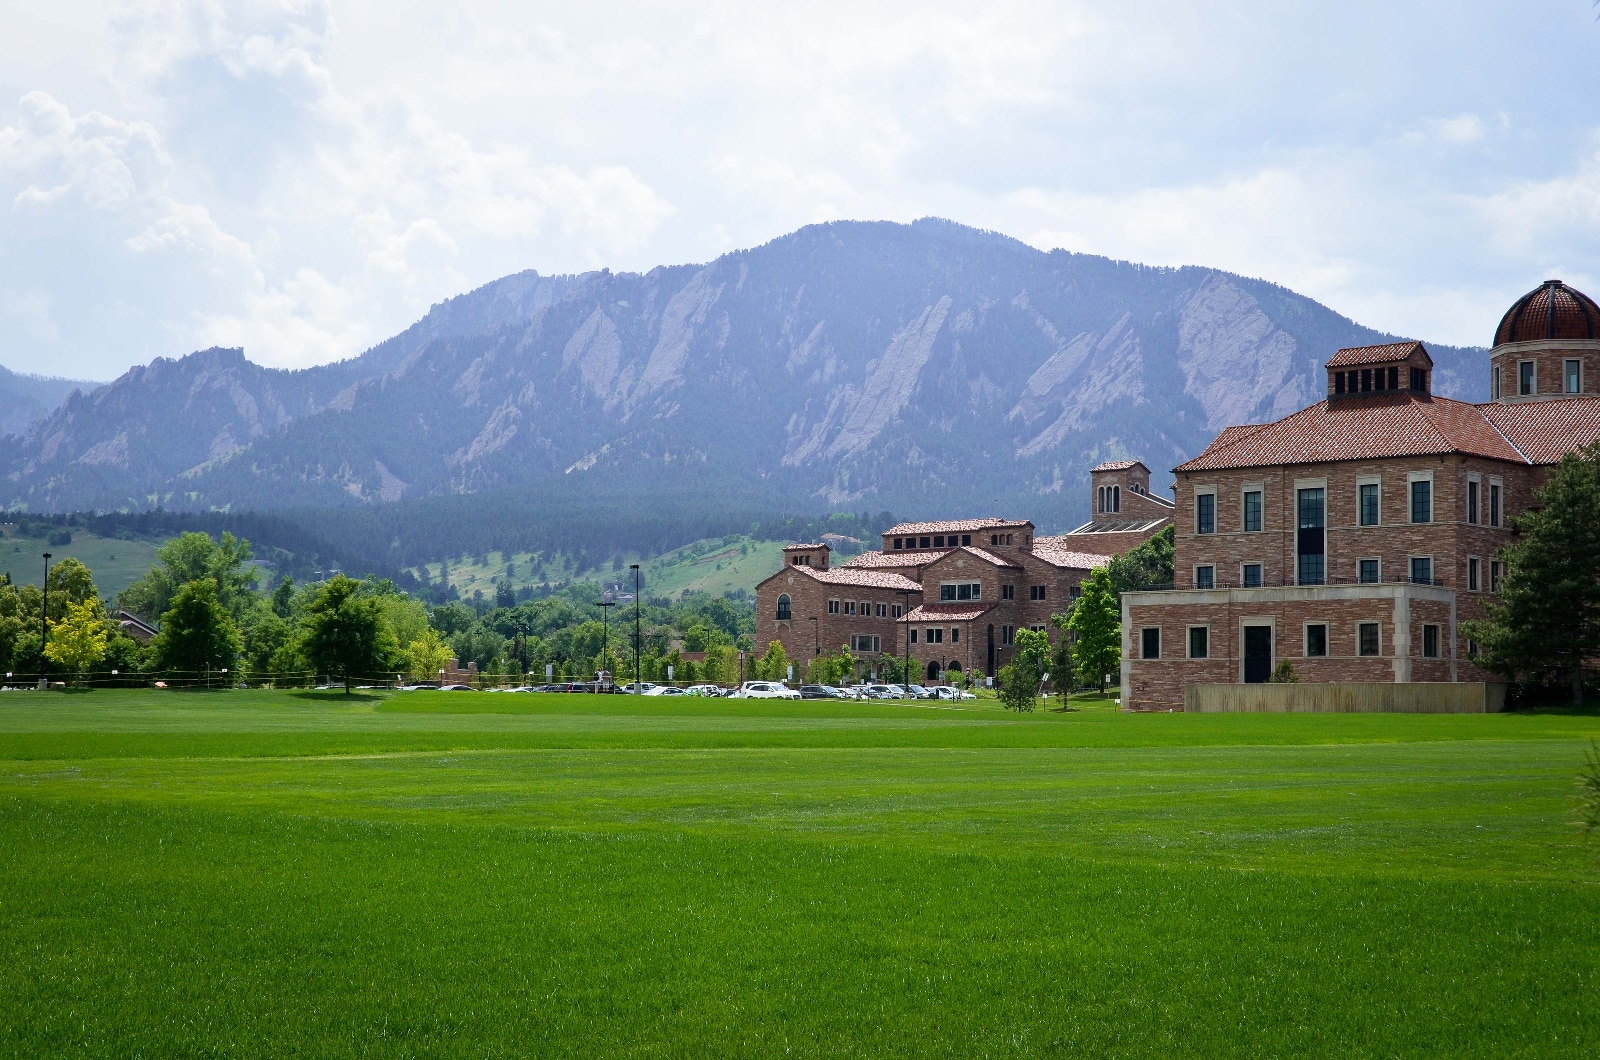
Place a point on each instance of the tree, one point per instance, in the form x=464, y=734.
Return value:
x=192, y=557
x=197, y=633
x=78, y=641
x=71, y=583
x=426, y=655
x=344, y=633
x=774, y=664
x=1019, y=681
x=1545, y=623
x=722, y=664
x=1150, y=566
x=1096, y=624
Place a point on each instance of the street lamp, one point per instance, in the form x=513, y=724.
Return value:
x=638, y=679
x=44, y=615
x=905, y=616
x=605, y=626
x=815, y=635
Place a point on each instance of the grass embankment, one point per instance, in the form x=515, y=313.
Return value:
x=116, y=563
x=470, y=873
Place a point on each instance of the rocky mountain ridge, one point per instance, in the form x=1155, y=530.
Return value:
x=931, y=368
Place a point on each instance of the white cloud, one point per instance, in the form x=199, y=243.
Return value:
x=29, y=312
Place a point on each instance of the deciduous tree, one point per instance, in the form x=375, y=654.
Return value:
x=197, y=633
x=344, y=633
x=78, y=641
x=1095, y=622
x=1019, y=680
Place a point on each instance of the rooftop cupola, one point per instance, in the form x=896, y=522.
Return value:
x=1363, y=371
x=814, y=556
x=1547, y=346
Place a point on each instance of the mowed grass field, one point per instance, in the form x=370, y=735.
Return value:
x=259, y=873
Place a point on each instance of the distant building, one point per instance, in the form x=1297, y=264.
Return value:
x=134, y=626
x=1352, y=538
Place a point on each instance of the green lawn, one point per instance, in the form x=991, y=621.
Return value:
x=115, y=563
x=483, y=874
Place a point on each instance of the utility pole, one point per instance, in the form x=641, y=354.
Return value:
x=44, y=629
x=638, y=681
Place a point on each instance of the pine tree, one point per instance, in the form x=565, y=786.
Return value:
x=1546, y=622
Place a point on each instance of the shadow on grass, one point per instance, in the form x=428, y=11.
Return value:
x=339, y=696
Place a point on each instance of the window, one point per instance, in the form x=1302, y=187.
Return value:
x=1472, y=573
x=1525, y=377
x=1205, y=513
x=1310, y=551
x=1150, y=642
x=1198, y=637
x=1366, y=380
x=882, y=610
x=849, y=607
x=966, y=539
x=913, y=634
x=1572, y=377
x=1496, y=386
x=866, y=609
x=1494, y=576
x=1317, y=640
x=833, y=607
x=1008, y=635
x=1205, y=577
x=1338, y=382
x=1008, y=592
x=1472, y=500
x=1116, y=498
x=1099, y=499
x=938, y=541
x=1430, y=642
x=1367, y=572
x=960, y=591
x=1252, y=511
x=894, y=610
x=1472, y=649
x=1422, y=501
x=1419, y=380
x=1494, y=503
x=955, y=635
x=934, y=635
x=1039, y=628
x=899, y=543
x=1036, y=592
x=1367, y=497
x=1367, y=638
x=1074, y=591
x=927, y=543
x=1250, y=576
x=784, y=606
x=1422, y=570
x=861, y=643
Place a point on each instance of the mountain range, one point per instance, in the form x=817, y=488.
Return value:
x=931, y=368
x=26, y=399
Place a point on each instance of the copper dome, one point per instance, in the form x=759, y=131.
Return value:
x=1550, y=311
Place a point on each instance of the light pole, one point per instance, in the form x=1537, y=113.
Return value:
x=605, y=626
x=905, y=616
x=44, y=617
x=638, y=680
x=816, y=636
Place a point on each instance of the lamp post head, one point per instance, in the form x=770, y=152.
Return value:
x=47, y=556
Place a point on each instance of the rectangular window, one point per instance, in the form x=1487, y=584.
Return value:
x=1367, y=638
x=1008, y=592
x=935, y=635
x=833, y=607
x=1205, y=577
x=1472, y=573
x=955, y=635
x=883, y=610
x=1252, y=511
x=1496, y=386
x=1368, y=497
x=938, y=541
x=1317, y=640
x=849, y=607
x=1036, y=592
x=913, y=634
x=1494, y=504
x=1472, y=500
x=1150, y=642
x=1205, y=513
x=960, y=591
x=1366, y=380
x=1310, y=548
x=1572, y=377
x=1198, y=638
x=866, y=609
x=966, y=539
x=1367, y=572
x=1494, y=576
x=926, y=543
x=1422, y=501
x=1430, y=642
x=1422, y=570
x=1338, y=382
x=894, y=611
x=1250, y=575
x=1419, y=380
x=1525, y=377
x=899, y=543
x=864, y=644
x=1008, y=635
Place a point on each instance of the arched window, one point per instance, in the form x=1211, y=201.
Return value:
x=1100, y=499
x=783, y=608
x=1116, y=498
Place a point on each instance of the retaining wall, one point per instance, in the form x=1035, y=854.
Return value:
x=1347, y=698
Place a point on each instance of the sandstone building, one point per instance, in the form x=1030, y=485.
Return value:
x=952, y=594
x=1353, y=537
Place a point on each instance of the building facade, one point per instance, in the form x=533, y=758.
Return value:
x=1353, y=537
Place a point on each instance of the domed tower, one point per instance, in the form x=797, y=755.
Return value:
x=1547, y=346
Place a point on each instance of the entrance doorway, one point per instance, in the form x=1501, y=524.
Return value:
x=1257, y=654
x=933, y=671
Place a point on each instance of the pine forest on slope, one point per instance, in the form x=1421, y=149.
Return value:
x=929, y=368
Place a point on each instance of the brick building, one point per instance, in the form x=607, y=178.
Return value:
x=1353, y=537
x=952, y=594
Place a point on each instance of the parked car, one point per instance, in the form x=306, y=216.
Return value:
x=642, y=688
x=817, y=692
x=764, y=690
x=455, y=688
x=703, y=690
x=950, y=692
x=886, y=691
x=919, y=692
x=666, y=690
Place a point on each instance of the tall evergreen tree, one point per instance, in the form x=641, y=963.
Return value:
x=1545, y=623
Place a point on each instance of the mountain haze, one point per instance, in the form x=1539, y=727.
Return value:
x=929, y=368
x=26, y=399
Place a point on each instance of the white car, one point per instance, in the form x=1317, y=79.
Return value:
x=703, y=690
x=764, y=690
x=949, y=692
x=665, y=690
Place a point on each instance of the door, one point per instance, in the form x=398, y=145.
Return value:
x=1257, y=654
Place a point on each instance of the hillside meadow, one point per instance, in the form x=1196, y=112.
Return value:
x=472, y=873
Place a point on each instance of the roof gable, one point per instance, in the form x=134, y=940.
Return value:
x=1385, y=354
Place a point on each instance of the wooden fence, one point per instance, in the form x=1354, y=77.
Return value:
x=1347, y=698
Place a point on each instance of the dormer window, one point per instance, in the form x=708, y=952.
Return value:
x=1419, y=380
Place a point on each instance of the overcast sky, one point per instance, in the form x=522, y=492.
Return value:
x=305, y=178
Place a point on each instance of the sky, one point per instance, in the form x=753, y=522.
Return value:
x=304, y=178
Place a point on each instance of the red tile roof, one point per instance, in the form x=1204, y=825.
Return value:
x=1058, y=552
x=1394, y=351
x=947, y=612
x=1117, y=465
x=1545, y=431
x=988, y=557
x=1395, y=424
x=1550, y=311
x=869, y=560
x=801, y=547
x=956, y=526
x=871, y=579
